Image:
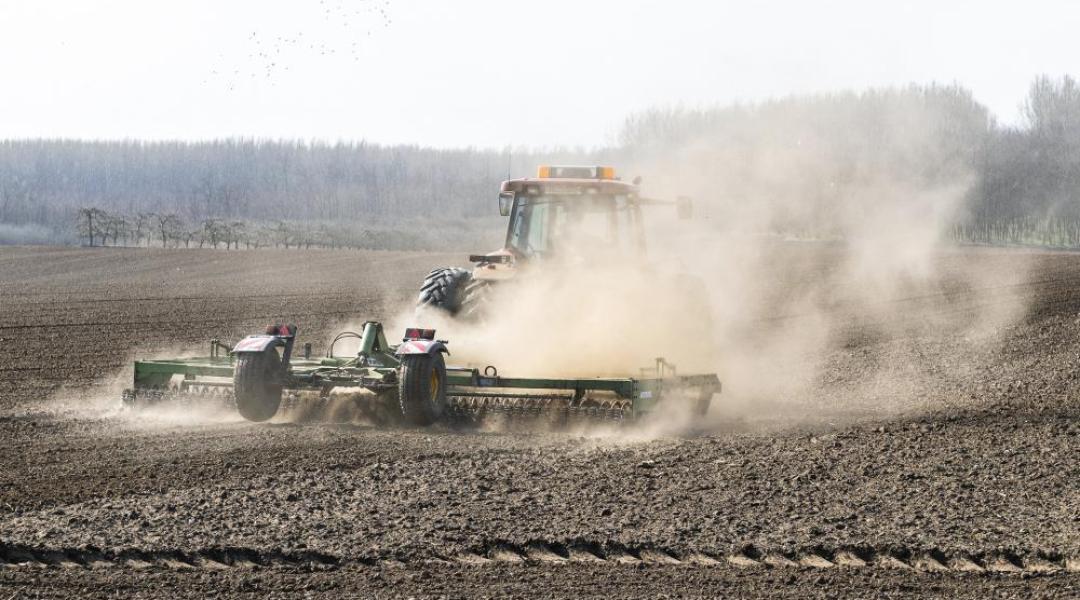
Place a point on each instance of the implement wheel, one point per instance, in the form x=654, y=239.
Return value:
x=422, y=388
x=257, y=384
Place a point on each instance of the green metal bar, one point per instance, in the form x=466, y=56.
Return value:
x=622, y=387
x=221, y=367
x=643, y=391
x=159, y=372
x=625, y=387
x=373, y=344
x=208, y=367
x=369, y=339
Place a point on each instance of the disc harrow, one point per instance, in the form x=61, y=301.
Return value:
x=408, y=382
x=555, y=409
x=190, y=395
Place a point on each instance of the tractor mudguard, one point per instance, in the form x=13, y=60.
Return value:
x=257, y=343
x=432, y=347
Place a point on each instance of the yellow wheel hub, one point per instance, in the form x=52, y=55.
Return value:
x=434, y=385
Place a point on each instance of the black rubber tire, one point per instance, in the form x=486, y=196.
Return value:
x=422, y=388
x=257, y=384
x=475, y=300
x=444, y=289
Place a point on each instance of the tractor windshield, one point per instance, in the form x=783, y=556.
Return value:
x=567, y=225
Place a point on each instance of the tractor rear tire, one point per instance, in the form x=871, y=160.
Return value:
x=422, y=388
x=444, y=288
x=475, y=300
x=257, y=384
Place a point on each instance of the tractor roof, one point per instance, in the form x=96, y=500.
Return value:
x=571, y=180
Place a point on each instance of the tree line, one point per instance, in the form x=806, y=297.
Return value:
x=101, y=228
x=808, y=166
x=833, y=165
x=97, y=227
x=1029, y=185
x=254, y=193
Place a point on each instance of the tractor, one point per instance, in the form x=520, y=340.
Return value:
x=565, y=214
x=568, y=217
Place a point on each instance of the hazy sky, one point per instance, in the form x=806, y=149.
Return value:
x=487, y=73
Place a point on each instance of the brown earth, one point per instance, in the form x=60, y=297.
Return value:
x=965, y=486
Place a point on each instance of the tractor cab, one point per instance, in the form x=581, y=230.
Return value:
x=572, y=212
x=566, y=214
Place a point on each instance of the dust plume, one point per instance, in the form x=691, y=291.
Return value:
x=591, y=320
x=103, y=399
x=824, y=241
x=820, y=246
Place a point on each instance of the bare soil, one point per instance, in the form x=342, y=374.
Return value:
x=965, y=488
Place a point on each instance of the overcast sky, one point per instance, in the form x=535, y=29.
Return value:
x=487, y=73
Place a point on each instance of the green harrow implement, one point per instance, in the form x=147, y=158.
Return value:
x=407, y=382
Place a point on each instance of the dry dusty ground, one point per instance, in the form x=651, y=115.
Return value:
x=969, y=492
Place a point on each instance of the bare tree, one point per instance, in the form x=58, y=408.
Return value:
x=236, y=231
x=141, y=226
x=214, y=231
x=90, y=223
x=168, y=227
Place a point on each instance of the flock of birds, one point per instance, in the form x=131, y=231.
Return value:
x=345, y=24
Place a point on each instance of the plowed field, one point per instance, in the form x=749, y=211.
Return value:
x=964, y=485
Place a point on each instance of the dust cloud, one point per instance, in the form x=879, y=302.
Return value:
x=833, y=284
x=831, y=288
x=102, y=400
x=590, y=320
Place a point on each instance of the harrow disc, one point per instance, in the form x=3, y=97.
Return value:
x=190, y=396
x=556, y=410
